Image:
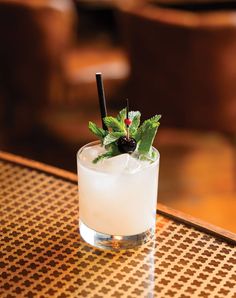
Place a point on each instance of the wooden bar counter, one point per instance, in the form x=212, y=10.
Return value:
x=42, y=254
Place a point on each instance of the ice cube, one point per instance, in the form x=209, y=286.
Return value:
x=90, y=153
x=115, y=164
x=133, y=165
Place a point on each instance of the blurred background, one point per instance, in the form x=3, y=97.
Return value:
x=175, y=58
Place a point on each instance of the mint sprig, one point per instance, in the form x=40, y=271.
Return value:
x=134, y=116
x=99, y=132
x=100, y=157
x=144, y=134
x=114, y=124
x=112, y=151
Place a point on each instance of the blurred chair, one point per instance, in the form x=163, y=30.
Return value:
x=35, y=36
x=183, y=66
x=182, y=63
x=47, y=79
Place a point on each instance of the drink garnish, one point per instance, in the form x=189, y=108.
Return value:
x=127, y=144
x=123, y=133
x=143, y=135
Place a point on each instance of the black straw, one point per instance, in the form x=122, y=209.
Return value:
x=102, y=99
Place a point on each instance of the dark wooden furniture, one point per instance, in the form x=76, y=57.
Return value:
x=183, y=62
x=43, y=255
x=31, y=60
x=47, y=74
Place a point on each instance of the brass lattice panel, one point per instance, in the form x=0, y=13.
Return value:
x=42, y=254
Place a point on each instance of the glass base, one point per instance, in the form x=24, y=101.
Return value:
x=113, y=242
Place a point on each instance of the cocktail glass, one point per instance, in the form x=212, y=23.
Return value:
x=117, y=209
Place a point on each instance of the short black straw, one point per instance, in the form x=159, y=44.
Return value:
x=102, y=99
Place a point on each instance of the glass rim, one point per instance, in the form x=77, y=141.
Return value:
x=97, y=142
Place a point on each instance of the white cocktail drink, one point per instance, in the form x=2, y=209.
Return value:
x=118, y=195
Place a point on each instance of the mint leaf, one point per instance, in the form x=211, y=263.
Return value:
x=114, y=124
x=155, y=118
x=138, y=135
x=146, y=134
x=147, y=139
x=112, y=151
x=99, y=132
x=102, y=156
x=151, y=156
x=121, y=116
x=135, y=117
x=112, y=137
